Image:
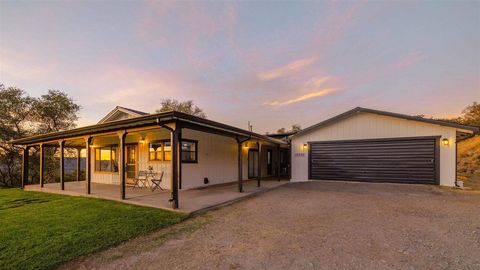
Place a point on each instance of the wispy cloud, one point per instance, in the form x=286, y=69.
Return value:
x=314, y=88
x=286, y=70
x=320, y=93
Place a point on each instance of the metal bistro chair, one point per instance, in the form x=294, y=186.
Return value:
x=157, y=181
x=140, y=180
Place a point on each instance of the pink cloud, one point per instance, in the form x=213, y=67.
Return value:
x=289, y=69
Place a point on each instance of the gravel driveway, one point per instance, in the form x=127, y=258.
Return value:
x=316, y=225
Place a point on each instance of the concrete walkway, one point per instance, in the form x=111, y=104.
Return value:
x=190, y=201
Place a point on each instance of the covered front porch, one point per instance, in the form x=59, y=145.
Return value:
x=206, y=161
x=193, y=200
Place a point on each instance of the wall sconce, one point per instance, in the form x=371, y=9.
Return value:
x=142, y=140
x=445, y=142
x=304, y=147
x=245, y=145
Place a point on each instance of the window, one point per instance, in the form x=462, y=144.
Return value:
x=106, y=159
x=189, y=151
x=160, y=150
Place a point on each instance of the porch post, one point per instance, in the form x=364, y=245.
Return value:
x=259, y=145
x=121, y=162
x=41, y=164
x=88, y=170
x=25, y=166
x=175, y=138
x=278, y=162
x=62, y=165
x=79, y=159
x=240, y=166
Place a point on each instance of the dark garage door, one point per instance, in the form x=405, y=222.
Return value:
x=406, y=160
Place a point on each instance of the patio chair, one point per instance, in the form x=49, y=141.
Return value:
x=157, y=181
x=140, y=180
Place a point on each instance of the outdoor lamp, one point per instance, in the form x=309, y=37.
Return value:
x=142, y=140
x=445, y=141
x=304, y=147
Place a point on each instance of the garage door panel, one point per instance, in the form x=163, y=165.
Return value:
x=396, y=161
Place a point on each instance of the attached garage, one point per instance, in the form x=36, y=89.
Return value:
x=375, y=146
x=403, y=160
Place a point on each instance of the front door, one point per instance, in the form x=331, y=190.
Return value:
x=252, y=163
x=269, y=162
x=131, y=162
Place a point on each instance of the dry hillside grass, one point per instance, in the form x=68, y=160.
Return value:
x=469, y=162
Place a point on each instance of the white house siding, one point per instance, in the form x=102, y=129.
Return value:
x=217, y=160
x=372, y=126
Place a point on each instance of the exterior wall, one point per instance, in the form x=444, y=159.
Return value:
x=217, y=160
x=371, y=126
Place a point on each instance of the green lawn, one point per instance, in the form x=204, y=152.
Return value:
x=40, y=230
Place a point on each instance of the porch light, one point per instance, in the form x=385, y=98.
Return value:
x=142, y=140
x=245, y=145
x=304, y=147
x=445, y=142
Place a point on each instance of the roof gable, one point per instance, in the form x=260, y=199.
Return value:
x=121, y=113
x=356, y=110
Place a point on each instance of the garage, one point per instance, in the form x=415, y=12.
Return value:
x=367, y=145
x=401, y=160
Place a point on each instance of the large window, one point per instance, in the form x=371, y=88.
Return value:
x=189, y=151
x=106, y=159
x=160, y=150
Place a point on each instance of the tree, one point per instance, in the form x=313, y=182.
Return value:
x=15, y=111
x=186, y=107
x=55, y=111
x=471, y=115
x=23, y=116
x=295, y=128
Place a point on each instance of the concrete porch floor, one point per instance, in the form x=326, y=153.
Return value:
x=190, y=201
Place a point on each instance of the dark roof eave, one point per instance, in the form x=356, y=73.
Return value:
x=140, y=121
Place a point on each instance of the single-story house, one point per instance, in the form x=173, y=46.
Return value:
x=191, y=152
x=377, y=146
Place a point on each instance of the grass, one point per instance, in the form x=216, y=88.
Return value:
x=41, y=230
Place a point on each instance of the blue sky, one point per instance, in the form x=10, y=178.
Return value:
x=274, y=63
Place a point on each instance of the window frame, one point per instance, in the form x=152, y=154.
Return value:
x=195, y=142
x=162, y=151
x=113, y=157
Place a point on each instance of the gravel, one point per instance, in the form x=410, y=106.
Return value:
x=316, y=225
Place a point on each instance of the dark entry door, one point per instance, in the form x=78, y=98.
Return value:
x=269, y=162
x=252, y=163
x=406, y=160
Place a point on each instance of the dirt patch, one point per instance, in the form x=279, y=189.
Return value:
x=316, y=225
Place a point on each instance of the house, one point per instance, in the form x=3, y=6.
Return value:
x=191, y=152
x=358, y=145
x=377, y=146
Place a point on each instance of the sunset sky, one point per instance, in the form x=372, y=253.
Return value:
x=272, y=63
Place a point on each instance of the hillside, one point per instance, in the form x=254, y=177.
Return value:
x=469, y=162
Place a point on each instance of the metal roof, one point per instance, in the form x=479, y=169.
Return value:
x=142, y=121
x=391, y=114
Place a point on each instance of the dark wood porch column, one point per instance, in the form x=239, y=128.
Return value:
x=79, y=160
x=240, y=166
x=121, y=162
x=259, y=145
x=25, y=165
x=42, y=149
x=175, y=141
x=62, y=165
x=277, y=171
x=88, y=169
